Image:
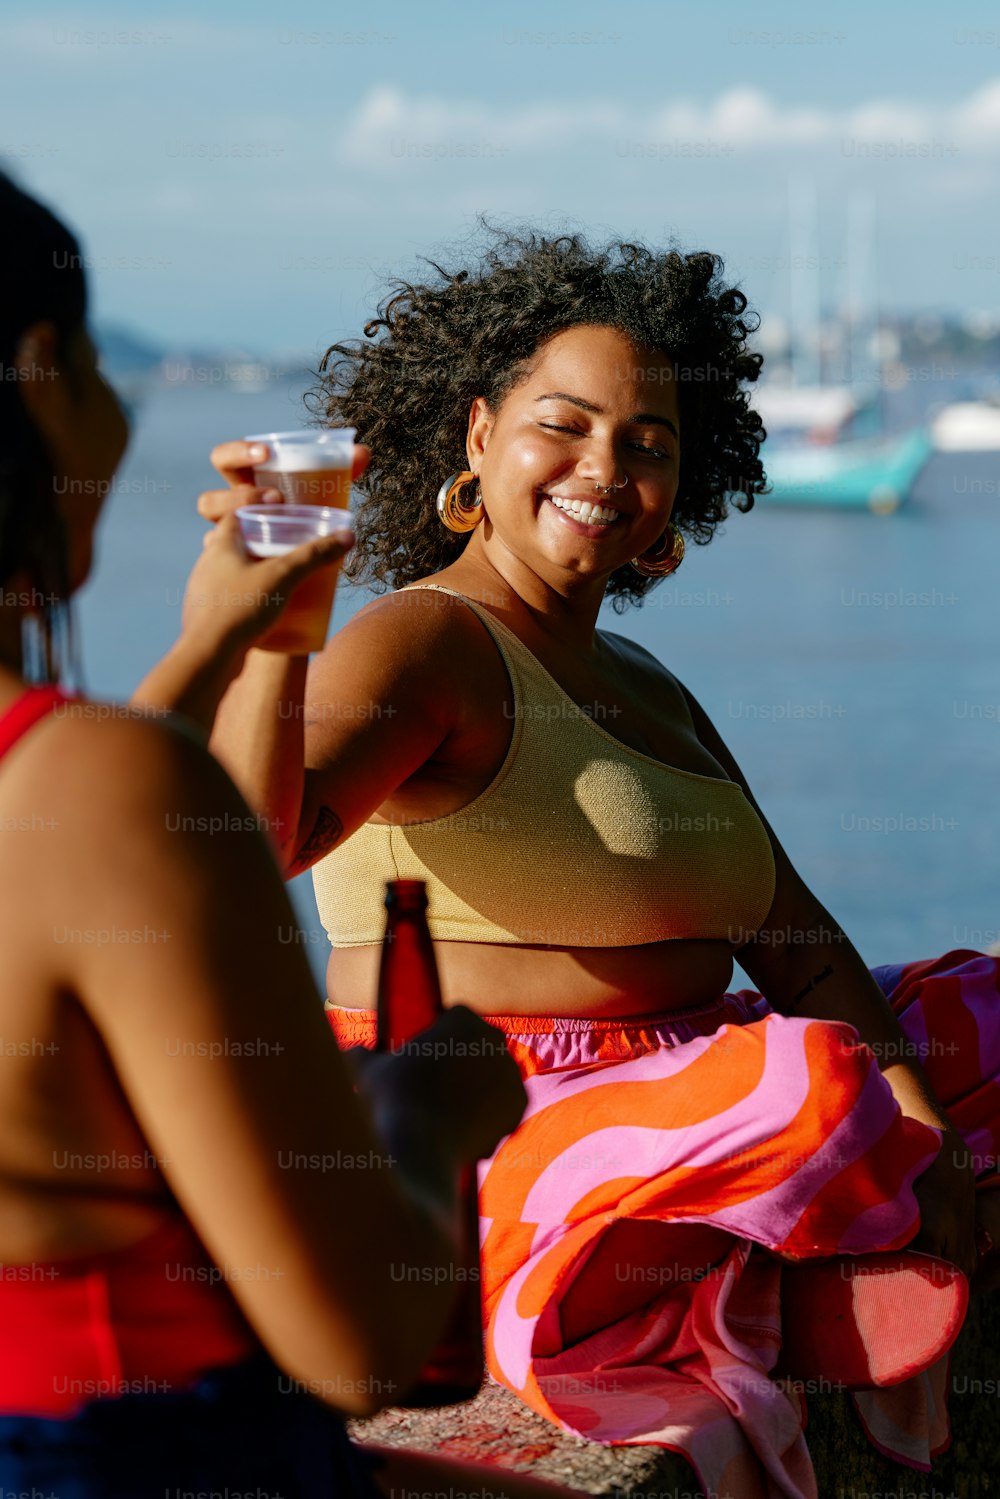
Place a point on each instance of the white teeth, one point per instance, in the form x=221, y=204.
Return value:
x=590, y=515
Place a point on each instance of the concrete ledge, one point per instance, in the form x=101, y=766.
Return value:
x=497, y=1428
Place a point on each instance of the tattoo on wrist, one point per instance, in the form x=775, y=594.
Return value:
x=326, y=832
x=814, y=982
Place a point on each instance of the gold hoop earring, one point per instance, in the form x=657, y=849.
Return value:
x=451, y=510
x=658, y=562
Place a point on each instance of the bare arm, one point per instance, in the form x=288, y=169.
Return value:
x=258, y=736
x=187, y=680
x=316, y=754
x=805, y=964
x=257, y=724
x=379, y=703
x=217, y=1035
x=230, y=600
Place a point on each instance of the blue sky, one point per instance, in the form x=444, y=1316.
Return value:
x=249, y=176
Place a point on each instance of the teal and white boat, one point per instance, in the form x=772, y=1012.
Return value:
x=823, y=448
x=865, y=473
x=825, y=442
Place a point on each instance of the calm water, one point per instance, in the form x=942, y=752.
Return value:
x=851, y=663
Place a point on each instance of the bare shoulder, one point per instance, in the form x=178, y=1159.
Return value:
x=92, y=755
x=111, y=786
x=682, y=705
x=646, y=675
x=417, y=648
x=650, y=675
x=404, y=717
x=410, y=622
x=125, y=808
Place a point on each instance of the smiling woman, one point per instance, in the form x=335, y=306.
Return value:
x=477, y=334
x=543, y=429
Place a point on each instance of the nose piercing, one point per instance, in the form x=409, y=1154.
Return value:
x=607, y=488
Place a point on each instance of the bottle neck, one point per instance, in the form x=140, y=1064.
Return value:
x=405, y=896
x=409, y=994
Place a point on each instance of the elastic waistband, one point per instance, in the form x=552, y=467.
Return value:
x=557, y=1043
x=560, y=1043
x=362, y=1021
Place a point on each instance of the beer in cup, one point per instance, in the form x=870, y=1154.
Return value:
x=272, y=530
x=308, y=467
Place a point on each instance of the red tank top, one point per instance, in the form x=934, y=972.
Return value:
x=25, y=711
x=148, y=1318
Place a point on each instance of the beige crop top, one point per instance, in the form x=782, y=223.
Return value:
x=579, y=841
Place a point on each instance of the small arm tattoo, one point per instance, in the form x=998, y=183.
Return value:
x=817, y=978
x=326, y=832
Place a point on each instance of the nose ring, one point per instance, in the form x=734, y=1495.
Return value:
x=607, y=488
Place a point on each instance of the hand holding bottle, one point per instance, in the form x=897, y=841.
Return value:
x=456, y=1085
x=411, y=1025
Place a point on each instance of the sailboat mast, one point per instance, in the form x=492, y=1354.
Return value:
x=803, y=277
x=861, y=298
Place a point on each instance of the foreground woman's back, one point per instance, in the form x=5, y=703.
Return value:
x=145, y=1060
x=193, y=1198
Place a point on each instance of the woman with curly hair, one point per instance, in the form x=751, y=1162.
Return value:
x=708, y=1199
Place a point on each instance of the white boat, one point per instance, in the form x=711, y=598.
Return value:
x=968, y=427
x=810, y=413
x=824, y=448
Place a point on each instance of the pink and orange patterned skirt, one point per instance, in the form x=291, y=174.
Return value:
x=781, y=1138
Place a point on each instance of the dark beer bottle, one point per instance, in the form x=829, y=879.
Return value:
x=409, y=1000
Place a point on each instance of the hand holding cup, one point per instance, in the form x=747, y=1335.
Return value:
x=242, y=464
x=256, y=600
x=233, y=598
x=278, y=532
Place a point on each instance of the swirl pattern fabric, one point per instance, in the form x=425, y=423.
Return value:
x=782, y=1139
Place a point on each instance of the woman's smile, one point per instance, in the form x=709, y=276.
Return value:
x=586, y=515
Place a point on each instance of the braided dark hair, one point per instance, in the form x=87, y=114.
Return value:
x=474, y=332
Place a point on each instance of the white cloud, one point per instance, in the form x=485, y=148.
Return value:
x=887, y=120
x=390, y=126
x=981, y=114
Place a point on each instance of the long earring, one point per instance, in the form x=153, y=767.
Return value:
x=48, y=642
x=451, y=510
x=658, y=562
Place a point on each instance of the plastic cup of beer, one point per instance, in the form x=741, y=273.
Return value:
x=308, y=467
x=272, y=530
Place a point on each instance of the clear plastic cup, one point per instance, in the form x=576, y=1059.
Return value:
x=308, y=467
x=272, y=530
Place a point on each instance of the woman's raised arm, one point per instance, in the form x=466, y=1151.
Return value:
x=382, y=700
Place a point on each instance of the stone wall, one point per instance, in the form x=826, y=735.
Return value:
x=497, y=1428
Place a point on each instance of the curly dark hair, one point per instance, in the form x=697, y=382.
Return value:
x=473, y=333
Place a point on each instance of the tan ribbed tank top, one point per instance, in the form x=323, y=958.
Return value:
x=578, y=841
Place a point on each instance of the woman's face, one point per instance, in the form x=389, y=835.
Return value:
x=595, y=410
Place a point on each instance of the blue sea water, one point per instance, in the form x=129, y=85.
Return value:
x=850, y=661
